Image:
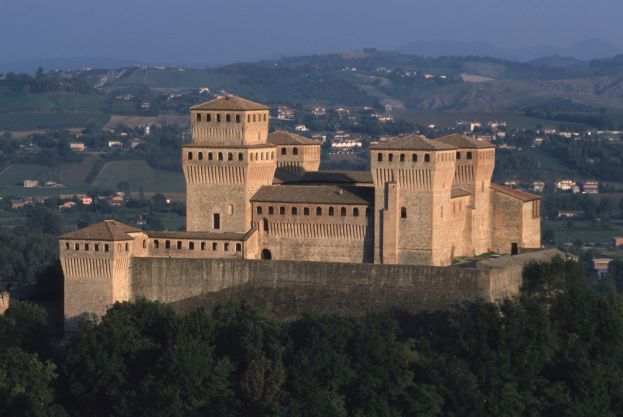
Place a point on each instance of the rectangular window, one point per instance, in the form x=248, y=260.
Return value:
x=97, y=247
x=86, y=246
x=259, y=210
x=216, y=221
x=226, y=247
x=306, y=211
x=214, y=246
x=238, y=247
x=282, y=211
x=271, y=210
x=167, y=244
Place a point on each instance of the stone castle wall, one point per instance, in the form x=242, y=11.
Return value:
x=287, y=289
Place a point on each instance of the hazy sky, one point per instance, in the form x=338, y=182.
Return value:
x=212, y=32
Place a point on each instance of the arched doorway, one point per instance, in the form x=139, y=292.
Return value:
x=266, y=255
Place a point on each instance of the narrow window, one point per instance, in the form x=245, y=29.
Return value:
x=402, y=157
x=179, y=245
x=106, y=248
x=253, y=117
x=426, y=157
x=218, y=118
x=203, y=246
x=469, y=155
x=240, y=156
x=156, y=244
x=230, y=156
x=216, y=221
x=355, y=212
x=390, y=157
x=191, y=245
x=167, y=244
x=331, y=211
x=190, y=156
x=282, y=211
x=379, y=157
x=86, y=246
x=414, y=157
x=77, y=246
x=97, y=246
x=343, y=211
x=228, y=118
x=238, y=247
x=403, y=213
x=258, y=210
x=208, y=117
x=127, y=247
x=265, y=225
x=264, y=117
x=306, y=211
x=248, y=118
x=294, y=211
x=67, y=245
x=458, y=155
x=283, y=151
x=214, y=246
x=144, y=245
x=220, y=156
x=318, y=211
x=200, y=156
x=209, y=156
x=237, y=118
x=271, y=210
x=198, y=117
x=295, y=151
x=226, y=246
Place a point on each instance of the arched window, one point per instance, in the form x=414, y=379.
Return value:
x=414, y=157
x=106, y=247
x=191, y=245
x=86, y=247
x=343, y=211
x=220, y=156
x=167, y=244
x=67, y=245
x=198, y=117
x=295, y=151
x=261, y=156
x=264, y=117
x=118, y=247
x=209, y=156
x=402, y=157
x=283, y=151
x=190, y=156
x=458, y=155
x=331, y=211
x=127, y=247
x=355, y=212
x=218, y=117
x=248, y=118
x=156, y=244
x=203, y=246
x=380, y=157
x=390, y=157
x=426, y=157
x=251, y=155
x=258, y=210
x=469, y=155
x=295, y=211
x=318, y=211
x=179, y=244
x=253, y=117
x=144, y=245
x=200, y=156
x=237, y=118
x=228, y=118
x=266, y=255
x=265, y=225
x=272, y=156
x=240, y=156
x=230, y=156
x=208, y=117
x=305, y=211
x=403, y=213
x=214, y=246
x=226, y=246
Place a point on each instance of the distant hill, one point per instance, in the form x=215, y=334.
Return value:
x=70, y=63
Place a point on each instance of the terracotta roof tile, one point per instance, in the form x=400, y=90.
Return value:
x=106, y=230
x=414, y=142
x=459, y=192
x=464, y=142
x=197, y=235
x=230, y=103
x=281, y=137
x=519, y=195
x=315, y=194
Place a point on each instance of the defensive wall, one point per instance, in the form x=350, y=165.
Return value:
x=287, y=289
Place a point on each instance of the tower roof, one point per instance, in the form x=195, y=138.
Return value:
x=106, y=230
x=464, y=142
x=414, y=142
x=282, y=137
x=516, y=194
x=231, y=103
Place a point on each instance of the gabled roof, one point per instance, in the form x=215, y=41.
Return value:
x=519, y=195
x=106, y=230
x=282, y=137
x=464, y=142
x=414, y=142
x=314, y=194
x=230, y=103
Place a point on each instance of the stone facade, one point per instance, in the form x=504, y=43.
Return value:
x=252, y=195
x=5, y=301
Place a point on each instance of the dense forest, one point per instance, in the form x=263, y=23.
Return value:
x=555, y=351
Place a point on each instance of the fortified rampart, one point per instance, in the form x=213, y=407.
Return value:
x=287, y=289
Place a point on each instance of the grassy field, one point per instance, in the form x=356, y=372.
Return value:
x=52, y=102
x=138, y=174
x=583, y=230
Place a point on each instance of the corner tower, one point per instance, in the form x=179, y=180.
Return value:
x=475, y=161
x=413, y=182
x=228, y=161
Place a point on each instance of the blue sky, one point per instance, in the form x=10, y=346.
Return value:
x=214, y=32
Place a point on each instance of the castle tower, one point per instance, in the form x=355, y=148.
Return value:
x=96, y=266
x=296, y=154
x=413, y=182
x=228, y=161
x=475, y=161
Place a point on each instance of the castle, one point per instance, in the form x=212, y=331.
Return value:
x=255, y=195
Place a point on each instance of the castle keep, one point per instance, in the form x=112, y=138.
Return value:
x=255, y=195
